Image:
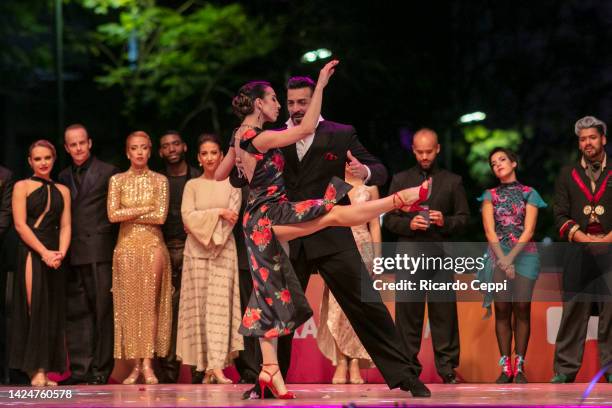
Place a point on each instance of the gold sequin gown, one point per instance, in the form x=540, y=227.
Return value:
x=142, y=317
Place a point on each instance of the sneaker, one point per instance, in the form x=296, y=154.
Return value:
x=561, y=378
x=506, y=375
x=519, y=373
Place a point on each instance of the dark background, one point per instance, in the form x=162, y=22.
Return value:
x=533, y=67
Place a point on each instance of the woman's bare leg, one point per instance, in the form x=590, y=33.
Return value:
x=28, y=282
x=270, y=362
x=158, y=270
x=347, y=215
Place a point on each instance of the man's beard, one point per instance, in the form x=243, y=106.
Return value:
x=597, y=153
x=181, y=158
x=297, y=119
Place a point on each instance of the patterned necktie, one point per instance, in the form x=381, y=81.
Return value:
x=301, y=149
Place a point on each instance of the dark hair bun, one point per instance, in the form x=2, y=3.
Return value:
x=242, y=105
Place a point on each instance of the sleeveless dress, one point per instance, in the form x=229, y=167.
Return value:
x=277, y=305
x=509, y=202
x=334, y=328
x=37, y=338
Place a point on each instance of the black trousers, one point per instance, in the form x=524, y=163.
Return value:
x=248, y=363
x=444, y=326
x=89, y=320
x=343, y=273
x=168, y=368
x=581, y=296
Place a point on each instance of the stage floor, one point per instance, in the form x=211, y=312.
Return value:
x=321, y=395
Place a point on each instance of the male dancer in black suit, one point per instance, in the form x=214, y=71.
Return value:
x=448, y=213
x=309, y=165
x=89, y=313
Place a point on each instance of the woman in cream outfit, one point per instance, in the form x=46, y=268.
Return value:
x=209, y=308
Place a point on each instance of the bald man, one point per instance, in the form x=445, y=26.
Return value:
x=447, y=214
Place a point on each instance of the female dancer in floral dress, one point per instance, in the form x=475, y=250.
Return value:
x=278, y=305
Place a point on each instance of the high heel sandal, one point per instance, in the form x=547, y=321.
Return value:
x=150, y=379
x=270, y=384
x=50, y=383
x=424, y=194
x=355, y=375
x=211, y=378
x=340, y=379
x=134, y=375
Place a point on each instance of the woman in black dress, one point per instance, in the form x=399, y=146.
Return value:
x=278, y=305
x=41, y=212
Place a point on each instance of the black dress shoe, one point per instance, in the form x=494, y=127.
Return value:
x=97, y=380
x=450, y=378
x=73, y=381
x=416, y=388
x=255, y=393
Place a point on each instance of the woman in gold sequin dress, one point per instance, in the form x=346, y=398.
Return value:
x=142, y=287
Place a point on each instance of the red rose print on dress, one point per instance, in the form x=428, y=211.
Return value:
x=251, y=318
x=271, y=333
x=302, y=207
x=284, y=296
x=262, y=233
x=330, y=197
x=271, y=190
x=269, y=301
x=264, y=274
x=278, y=162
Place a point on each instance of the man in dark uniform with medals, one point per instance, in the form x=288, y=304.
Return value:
x=583, y=208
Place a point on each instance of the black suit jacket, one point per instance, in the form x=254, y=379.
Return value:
x=570, y=200
x=308, y=179
x=447, y=196
x=6, y=192
x=93, y=235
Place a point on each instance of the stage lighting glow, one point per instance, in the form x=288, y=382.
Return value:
x=312, y=56
x=472, y=117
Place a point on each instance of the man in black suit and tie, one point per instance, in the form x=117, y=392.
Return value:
x=309, y=166
x=89, y=314
x=447, y=214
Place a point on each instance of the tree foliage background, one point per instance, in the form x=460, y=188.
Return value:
x=533, y=67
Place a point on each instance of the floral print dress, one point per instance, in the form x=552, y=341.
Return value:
x=509, y=202
x=277, y=305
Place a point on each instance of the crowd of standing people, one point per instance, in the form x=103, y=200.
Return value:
x=208, y=267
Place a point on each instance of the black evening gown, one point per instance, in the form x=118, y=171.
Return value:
x=37, y=337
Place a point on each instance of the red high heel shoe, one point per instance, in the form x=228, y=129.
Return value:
x=270, y=384
x=424, y=194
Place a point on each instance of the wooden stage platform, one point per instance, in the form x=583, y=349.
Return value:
x=320, y=395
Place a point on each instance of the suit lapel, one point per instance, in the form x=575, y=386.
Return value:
x=315, y=154
x=90, y=176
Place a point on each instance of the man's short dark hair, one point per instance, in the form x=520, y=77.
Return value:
x=75, y=126
x=171, y=132
x=298, y=82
